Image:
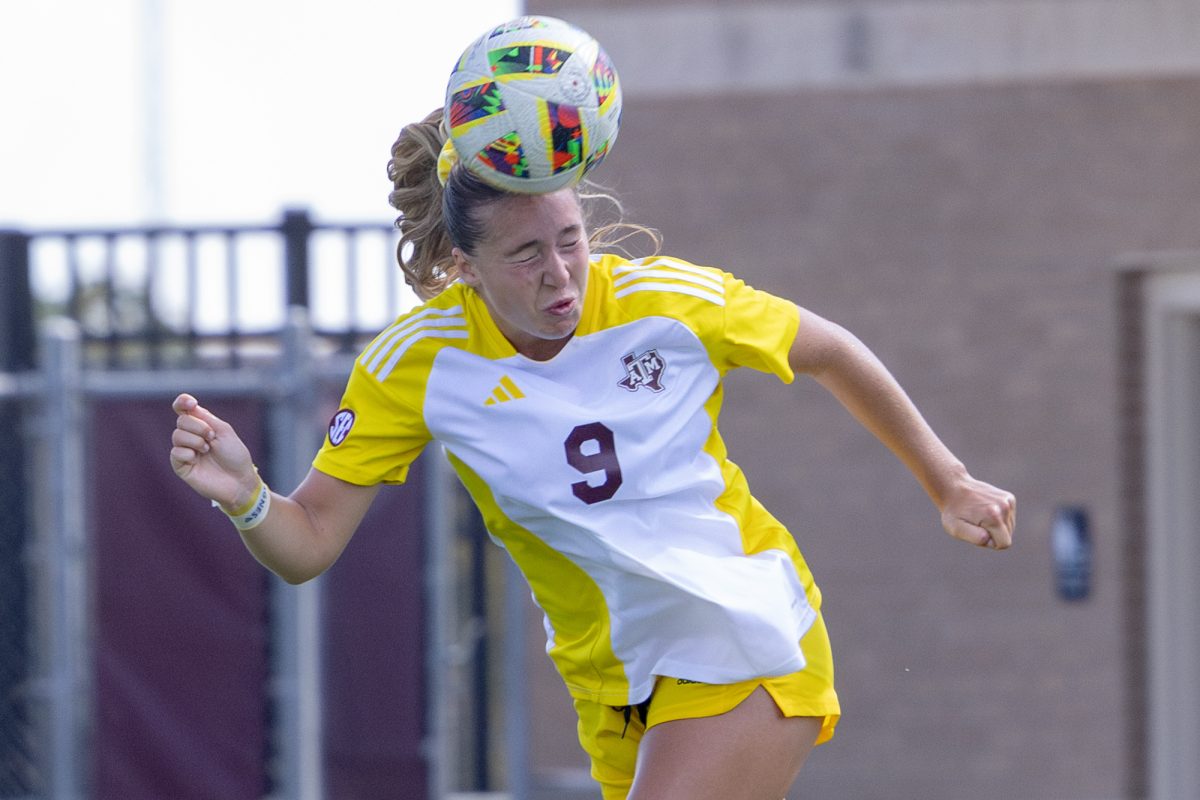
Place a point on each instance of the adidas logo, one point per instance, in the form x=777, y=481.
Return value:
x=505, y=391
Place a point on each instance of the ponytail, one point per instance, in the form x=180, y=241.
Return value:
x=424, y=251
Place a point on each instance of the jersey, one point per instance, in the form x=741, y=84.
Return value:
x=601, y=471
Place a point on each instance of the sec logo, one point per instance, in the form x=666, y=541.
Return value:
x=340, y=425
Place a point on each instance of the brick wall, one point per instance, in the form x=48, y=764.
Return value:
x=967, y=233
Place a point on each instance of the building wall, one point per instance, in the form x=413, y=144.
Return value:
x=966, y=231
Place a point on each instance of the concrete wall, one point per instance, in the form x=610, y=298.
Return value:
x=966, y=231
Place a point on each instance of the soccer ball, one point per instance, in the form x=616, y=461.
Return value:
x=533, y=105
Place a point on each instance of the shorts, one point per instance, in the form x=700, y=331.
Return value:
x=610, y=736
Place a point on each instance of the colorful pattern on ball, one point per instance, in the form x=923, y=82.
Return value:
x=533, y=105
x=562, y=131
x=605, y=78
x=596, y=156
x=529, y=59
x=505, y=156
x=474, y=103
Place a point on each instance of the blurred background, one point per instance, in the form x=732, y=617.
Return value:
x=1000, y=197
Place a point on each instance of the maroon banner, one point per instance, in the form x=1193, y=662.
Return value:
x=374, y=653
x=181, y=638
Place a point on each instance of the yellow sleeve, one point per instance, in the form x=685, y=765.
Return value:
x=379, y=429
x=758, y=333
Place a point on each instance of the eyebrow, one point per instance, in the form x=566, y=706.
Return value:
x=570, y=229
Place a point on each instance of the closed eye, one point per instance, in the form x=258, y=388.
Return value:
x=523, y=255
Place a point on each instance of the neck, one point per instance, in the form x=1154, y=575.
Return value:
x=541, y=349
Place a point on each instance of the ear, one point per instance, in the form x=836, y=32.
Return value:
x=466, y=271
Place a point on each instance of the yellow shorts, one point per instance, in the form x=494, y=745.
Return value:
x=610, y=736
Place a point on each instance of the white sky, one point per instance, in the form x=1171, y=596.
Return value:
x=262, y=104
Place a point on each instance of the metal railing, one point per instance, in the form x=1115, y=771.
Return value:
x=153, y=296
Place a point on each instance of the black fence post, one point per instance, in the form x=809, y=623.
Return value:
x=17, y=759
x=296, y=228
x=16, y=303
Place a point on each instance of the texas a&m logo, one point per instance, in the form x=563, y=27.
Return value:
x=644, y=370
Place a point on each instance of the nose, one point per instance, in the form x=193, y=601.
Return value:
x=556, y=273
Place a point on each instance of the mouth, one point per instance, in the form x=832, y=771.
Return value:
x=561, y=308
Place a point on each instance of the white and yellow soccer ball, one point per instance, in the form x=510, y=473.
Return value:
x=533, y=105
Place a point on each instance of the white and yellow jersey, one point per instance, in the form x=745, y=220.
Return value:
x=601, y=470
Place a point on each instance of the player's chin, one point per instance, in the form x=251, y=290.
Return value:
x=558, y=327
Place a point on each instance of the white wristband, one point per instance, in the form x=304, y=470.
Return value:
x=257, y=512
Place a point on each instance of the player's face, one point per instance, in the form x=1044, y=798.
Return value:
x=531, y=269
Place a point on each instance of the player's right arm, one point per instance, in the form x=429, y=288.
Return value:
x=303, y=533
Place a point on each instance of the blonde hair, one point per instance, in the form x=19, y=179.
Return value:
x=424, y=250
x=434, y=219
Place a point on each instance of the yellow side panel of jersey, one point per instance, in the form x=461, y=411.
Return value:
x=580, y=643
x=761, y=531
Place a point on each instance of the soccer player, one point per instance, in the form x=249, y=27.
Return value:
x=577, y=397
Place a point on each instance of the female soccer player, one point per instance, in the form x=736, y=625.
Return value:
x=577, y=397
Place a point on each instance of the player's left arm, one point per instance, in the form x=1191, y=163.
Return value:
x=971, y=510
